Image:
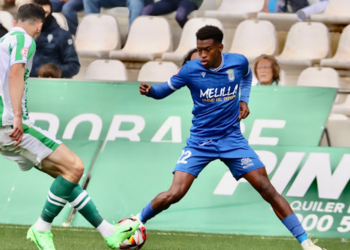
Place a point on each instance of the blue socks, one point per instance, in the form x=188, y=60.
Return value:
x=293, y=225
x=148, y=213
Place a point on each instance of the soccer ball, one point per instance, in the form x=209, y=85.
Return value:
x=135, y=241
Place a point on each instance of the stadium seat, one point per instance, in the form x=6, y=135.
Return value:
x=97, y=35
x=343, y=108
x=230, y=10
x=319, y=77
x=338, y=129
x=307, y=44
x=188, y=38
x=157, y=71
x=6, y=19
x=342, y=56
x=106, y=70
x=206, y=5
x=282, y=21
x=337, y=12
x=254, y=38
x=61, y=20
x=149, y=37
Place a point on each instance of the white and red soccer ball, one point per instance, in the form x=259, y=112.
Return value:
x=137, y=240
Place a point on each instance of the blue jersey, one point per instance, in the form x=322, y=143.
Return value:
x=215, y=94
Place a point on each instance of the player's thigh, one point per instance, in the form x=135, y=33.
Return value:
x=239, y=167
x=62, y=160
x=192, y=161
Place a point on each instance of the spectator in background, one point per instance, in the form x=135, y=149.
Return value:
x=49, y=70
x=191, y=55
x=54, y=45
x=3, y=30
x=275, y=6
x=296, y=5
x=4, y=4
x=69, y=9
x=267, y=70
x=135, y=6
x=304, y=13
x=182, y=7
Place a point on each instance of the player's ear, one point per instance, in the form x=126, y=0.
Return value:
x=221, y=47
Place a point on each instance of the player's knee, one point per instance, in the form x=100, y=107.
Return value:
x=78, y=168
x=267, y=191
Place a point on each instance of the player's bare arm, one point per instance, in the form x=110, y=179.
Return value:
x=145, y=88
x=16, y=88
x=243, y=110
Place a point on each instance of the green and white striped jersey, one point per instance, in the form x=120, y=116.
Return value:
x=15, y=47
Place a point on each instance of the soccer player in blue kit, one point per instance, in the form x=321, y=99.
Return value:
x=220, y=87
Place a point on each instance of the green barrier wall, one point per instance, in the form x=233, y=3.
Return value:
x=23, y=194
x=127, y=175
x=288, y=115
x=143, y=140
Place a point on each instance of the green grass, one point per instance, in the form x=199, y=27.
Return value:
x=12, y=237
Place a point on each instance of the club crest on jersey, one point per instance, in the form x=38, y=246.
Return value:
x=231, y=75
x=24, y=52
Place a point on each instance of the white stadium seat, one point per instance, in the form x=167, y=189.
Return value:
x=188, y=38
x=157, y=71
x=97, y=35
x=149, y=38
x=307, y=44
x=343, y=108
x=339, y=130
x=341, y=59
x=282, y=21
x=319, y=77
x=106, y=70
x=61, y=20
x=236, y=10
x=206, y=5
x=254, y=38
x=337, y=12
x=6, y=19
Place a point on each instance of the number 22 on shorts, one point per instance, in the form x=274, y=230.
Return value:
x=184, y=156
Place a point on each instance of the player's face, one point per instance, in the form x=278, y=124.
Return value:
x=264, y=72
x=209, y=53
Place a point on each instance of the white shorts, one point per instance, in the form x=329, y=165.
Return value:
x=36, y=145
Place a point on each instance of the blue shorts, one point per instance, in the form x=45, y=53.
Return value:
x=233, y=150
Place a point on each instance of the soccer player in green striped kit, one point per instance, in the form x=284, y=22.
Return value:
x=30, y=146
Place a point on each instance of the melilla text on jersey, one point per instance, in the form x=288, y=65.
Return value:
x=218, y=94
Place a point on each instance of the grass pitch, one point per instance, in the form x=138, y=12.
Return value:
x=13, y=237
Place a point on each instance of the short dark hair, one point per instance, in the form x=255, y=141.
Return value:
x=188, y=56
x=31, y=12
x=50, y=70
x=42, y=2
x=210, y=32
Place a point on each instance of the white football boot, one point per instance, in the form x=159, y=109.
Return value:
x=311, y=245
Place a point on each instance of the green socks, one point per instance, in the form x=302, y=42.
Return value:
x=82, y=202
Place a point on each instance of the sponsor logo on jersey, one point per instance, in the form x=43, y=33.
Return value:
x=24, y=52
x=218, y=92
x=231, y=75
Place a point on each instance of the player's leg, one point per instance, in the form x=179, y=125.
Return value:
x=70, y=11
x=160, y=8
x=182, y=182
x=82, y=202
x=259, y=179
x=191, y=162
x=184, y=9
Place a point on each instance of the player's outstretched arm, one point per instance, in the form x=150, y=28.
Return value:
x=16, y=89
x=158, y=91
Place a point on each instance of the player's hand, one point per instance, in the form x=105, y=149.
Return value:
x=145, y=88
x=243, y=110
x=17, y=132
